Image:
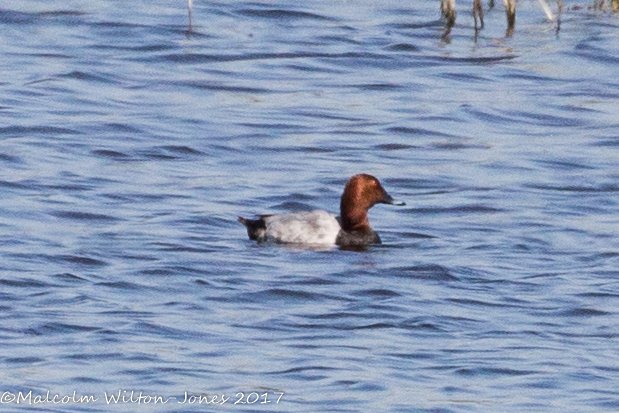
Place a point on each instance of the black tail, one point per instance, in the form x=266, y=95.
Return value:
x=256, y=228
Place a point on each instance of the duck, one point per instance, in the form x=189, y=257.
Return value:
x=350, y=229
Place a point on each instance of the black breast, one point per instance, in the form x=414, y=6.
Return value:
x=357, y=238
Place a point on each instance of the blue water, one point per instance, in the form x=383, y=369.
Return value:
x=130, y=144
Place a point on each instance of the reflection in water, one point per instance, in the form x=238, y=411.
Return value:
x=189, y=22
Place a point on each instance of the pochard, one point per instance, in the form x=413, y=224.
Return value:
x=351, y=228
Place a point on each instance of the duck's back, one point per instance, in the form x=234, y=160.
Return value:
x=315, y=227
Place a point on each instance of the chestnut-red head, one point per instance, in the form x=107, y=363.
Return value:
x=361, y=193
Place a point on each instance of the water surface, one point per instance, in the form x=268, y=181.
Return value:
x=129, y=145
